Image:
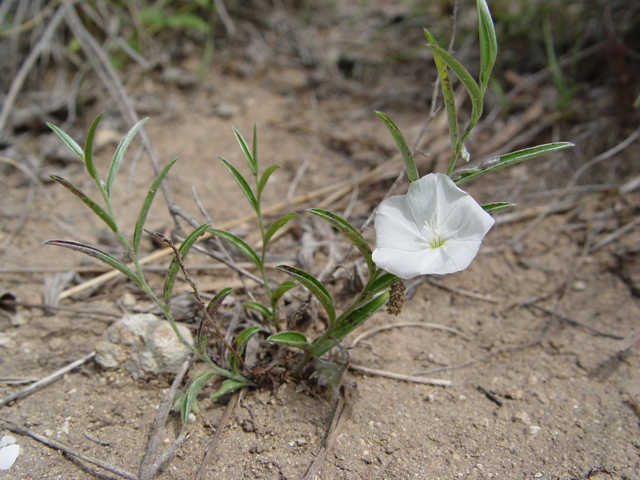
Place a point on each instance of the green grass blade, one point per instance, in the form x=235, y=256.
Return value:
x=488, y=43
x=243, y=338
x=174, y=266
x=253, y=165
x=351, y=233
x=382, y=282
x=237, y=242
x=280, y=290
x=409, y=163
x=447, y=92
x=496, y=163
x=88, y=148
x=353, y=320
x=70, y=142
x=228, y=386
x=95, y=253
x=95, y=208
x=275, y=226
x=119, y=154
x=465, y=77
x=260, y=308
x=497, y=206
x=217, y=300
x=255, y=145
x=314, y=286
x=189, y=399
x=289, y=339
x=242, y=183
x=146, y=205
x=264, y=177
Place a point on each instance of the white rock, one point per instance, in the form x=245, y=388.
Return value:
x=7, y=440
x=8, y=456
x=143, y=345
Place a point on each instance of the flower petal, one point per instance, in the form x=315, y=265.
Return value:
x=404, y=244
x=395, y=227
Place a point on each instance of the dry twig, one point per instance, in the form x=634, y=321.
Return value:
x=47, y=380
x=432, y=326
x=399, y=376
x=216, y=438
x=12, y=427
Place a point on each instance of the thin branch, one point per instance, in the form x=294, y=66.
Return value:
x=12, y=427
x=339, y=417
x=148, y=467
x=47, y=380
x=34, y=54
x=432, y=326
x=216, y=438
x=399, y=376
x=574, y=322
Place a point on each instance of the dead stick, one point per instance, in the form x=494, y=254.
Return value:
x=12, y=427
x=399, y=376
x=47, y=380
x=148, y=468
x=216, y=438
x=339, y=417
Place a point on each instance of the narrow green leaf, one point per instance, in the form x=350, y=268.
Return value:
x=228, y=386
x=381, y=283
x=71, y=143
x=253, y=165
x=409, y=163
x=488, y=43
x=146, y=205
x=465, y=77
x=174, y=266
x=497, y=206
x=314, y=286
x=217, y=300
x=354, y=320
x=351, y=233
x=189, y=398
x=264, y=177
x=289, y=339
x=243, y=338
x=119, y=154
x=281, y=289
x=95, y=253
x=88, y=148
x=242, y=183
x=95, y=208
x=496, y=163
x=258, y=307
x=447, y=92
x=275, y=226
x=255, y=144
x=237, y=242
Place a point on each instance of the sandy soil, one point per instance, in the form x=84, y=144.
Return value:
x=562, y=394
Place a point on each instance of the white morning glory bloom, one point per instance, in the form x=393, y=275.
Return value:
x=435, y=228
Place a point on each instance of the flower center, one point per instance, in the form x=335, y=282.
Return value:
x=435, y=237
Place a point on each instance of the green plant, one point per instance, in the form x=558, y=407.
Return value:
x=436, y=228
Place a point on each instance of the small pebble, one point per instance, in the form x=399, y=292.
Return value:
x=533, y=429
x=579, y=286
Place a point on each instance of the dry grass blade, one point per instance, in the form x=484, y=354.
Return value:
x=151, y=462
x=612, y=236
x=461, y=291
x=216, y=438
x=339, y=417
x=30, y=61
x=47, y=380
x=431, y=326
x=12, y=427
x=399, y=376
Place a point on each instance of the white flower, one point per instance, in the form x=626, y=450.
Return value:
x=9, y=451
x=435, y=228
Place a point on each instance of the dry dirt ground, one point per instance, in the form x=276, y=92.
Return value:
x=563, y=393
